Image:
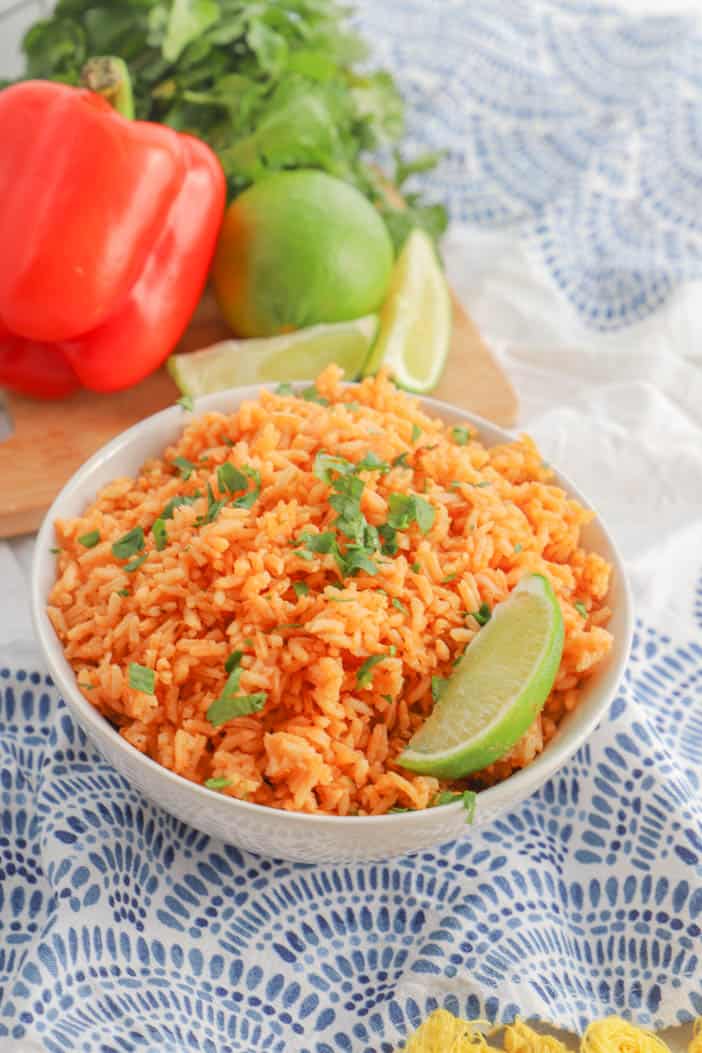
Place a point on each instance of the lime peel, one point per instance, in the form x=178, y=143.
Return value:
x=498, y=688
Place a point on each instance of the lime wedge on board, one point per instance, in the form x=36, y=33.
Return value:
x=300, y=355
x=415, y=320
x=497, y=689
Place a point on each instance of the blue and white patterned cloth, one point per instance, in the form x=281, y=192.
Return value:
x=575, y=180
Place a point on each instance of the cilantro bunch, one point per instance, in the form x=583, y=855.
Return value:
x=269, y=84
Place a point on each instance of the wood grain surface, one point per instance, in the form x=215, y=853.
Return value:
x=50, y=440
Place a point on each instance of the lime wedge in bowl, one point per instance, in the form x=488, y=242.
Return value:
x=415, y=320
x=299, y=355
x=497, y=689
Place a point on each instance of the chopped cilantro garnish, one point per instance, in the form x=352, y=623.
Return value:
x=416, y=567
x=438, y=683
x=416, y=432
x=160, y=534
x=388, y=536
x=226, y=441
x=446, y=797
x=399, y=605
x=230, y=479
x=55, y=550
x=312, y=395
x=317, y=543
x=401, y=460
x=186, y=401
x=408, y=508
x=129, y=544
x=248, y=642
x=86, y=686
x=581, y=608
x=284, y=389
x=518, y=547
x=372, y=463
x=481, y=485
x=184, y=466
x=217, y=784
x=301, y=588
x=325, y=464
x=388, y=699
x=90, y=539
x=482, y=615
x=233, y=661
x=177, y=502
x=213, y=508
x=123, y=592
x=224, y=709
x=448, y=578
x=364, y=676
x=134, y=564
x=354, y=559
x=467, y=798
x=247, y=500
x=461, y=436
x=141, y=678
x=392, y=650
x=397, y=811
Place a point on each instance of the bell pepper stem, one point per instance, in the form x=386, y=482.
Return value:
x=109, y=76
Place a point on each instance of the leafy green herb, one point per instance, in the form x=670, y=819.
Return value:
x=372, y=463
x=469, y=801
x=184, y=466
x=214, y=507
x=467, y=798
x=438, y=683
x=399, y=605
x=301, y=588
x=388, y=536
x=228, y=706
x=134, y=564
x=388, y=699
x=55, y=551
x=248, y=642
x=86, y=686
x=217, y=784
x=316, y=544
x=129, y=544
x=482, y=615
x=416, y=432
x=416, y=567
x=233, y=662
x=248, y=499
x=123, y=592
x=284, y=389
x=160, y=533
x=401, y=460
x=312, y=395
x=230, y=480
x=186, y=401
x=226, y=441
x=480, y=486
x=364, y=676
x=90, y=539
x=461, y=436
x=408, y=508
x=518, y=547
x=177, y=502
x=141, y=678
x=392, y=650
x=446, y=797
x=448, y=578
x=581, y=608
x=395, y=810
x=325, y=464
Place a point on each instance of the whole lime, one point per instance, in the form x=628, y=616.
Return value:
x=297, y=249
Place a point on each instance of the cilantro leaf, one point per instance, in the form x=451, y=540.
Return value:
x=408, y=508
x=416, y=432
x=185, y=467
x=424, y=514
x=325, y=464
x=364, y=676
x=318, y=543
x=438, y=684
x=214, y=507
x=581, y=608
x=217, y=784
x=129, y=544
x=401, y=460
x=416, y=567
x=312, y=395
x=354, y=559
x=230, y=705
x=461, y=436
x=283, y=389
x=123, y=592
x=230, y=479
x=141, y=678
x=372, y=463
x=388, y=536
x=399, y=605
x=301, y=588
x=482, y=615
x=160, y=533
x=248, y=499
x=134, y=564
x=177, y=502
x=90, y=539
x=186, y=401
x=234, y=661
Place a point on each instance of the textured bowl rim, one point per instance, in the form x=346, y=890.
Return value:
x=513, y=790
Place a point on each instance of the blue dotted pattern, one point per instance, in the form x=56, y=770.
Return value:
x=580, y=127
x=123, y=929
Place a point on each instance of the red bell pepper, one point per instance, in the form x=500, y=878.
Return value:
x=107, y=227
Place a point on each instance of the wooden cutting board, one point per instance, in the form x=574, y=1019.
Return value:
x=50, y=440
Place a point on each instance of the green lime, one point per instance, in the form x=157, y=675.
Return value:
x=297, y=249
x=498, y=688
x=301, y=355
x=415, y=322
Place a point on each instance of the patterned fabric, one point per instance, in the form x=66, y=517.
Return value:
x=124, y=931
x=582, y=126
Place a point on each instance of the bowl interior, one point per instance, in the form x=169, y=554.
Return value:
x=125, y=455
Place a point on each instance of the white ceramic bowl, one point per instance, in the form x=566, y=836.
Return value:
x=307, y=838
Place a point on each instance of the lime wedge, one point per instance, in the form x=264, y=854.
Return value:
x=300, y=355
x=498, y=688
x=415, y=320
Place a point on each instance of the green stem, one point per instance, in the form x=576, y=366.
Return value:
x=108, y=76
